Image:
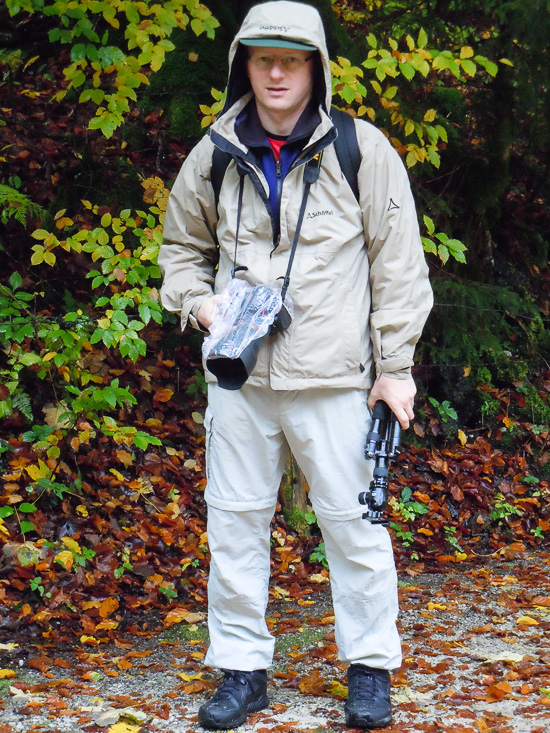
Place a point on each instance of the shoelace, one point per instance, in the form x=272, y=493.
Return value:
x=233, y=679
x=365, y=685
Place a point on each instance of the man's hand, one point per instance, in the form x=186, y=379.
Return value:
x=398, y=394
x=205, y=312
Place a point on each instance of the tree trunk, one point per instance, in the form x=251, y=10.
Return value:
x=293, y=497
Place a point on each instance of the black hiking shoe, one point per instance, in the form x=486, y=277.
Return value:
x=240, y=693
x=368, y=704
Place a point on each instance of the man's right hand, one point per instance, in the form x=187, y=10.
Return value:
x=206, y=311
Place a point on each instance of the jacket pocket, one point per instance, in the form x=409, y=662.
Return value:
x=353, y=327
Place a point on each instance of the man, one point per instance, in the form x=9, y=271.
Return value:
x=360, y=297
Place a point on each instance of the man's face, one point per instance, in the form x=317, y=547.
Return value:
x=281, y=79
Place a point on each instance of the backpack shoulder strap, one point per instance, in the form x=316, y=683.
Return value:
x=347, y=151
x=220, y=161
x=347, y=148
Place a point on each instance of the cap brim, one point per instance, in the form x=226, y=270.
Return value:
x=276, y=43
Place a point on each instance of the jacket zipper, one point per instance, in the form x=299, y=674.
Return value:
x=276, y=232
x=250, y=169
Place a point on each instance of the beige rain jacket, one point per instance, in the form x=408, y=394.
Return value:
x=359, y=282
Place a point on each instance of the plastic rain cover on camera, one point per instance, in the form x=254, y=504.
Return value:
x=243, y=313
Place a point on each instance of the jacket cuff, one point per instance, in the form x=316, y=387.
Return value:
x=189, y=315
x=395, y=368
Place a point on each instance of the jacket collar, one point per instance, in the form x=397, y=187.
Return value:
x=224, y=136
x=251, y=133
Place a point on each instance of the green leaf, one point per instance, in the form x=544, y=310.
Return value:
x=27, y=508
x=27, y=527
x=407, y=69
x=443, y=253
x=15, y=280
x=422, y=38
x=197, y=26
x=468, y=67
x=430, y=226
x=132, y=13
x=429, y=245
x=6, y=511
x=78, y=52
x=433, y=157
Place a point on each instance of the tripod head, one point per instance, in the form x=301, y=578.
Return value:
x=382, y=444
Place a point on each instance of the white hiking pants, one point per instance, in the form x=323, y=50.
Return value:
x=249, y=434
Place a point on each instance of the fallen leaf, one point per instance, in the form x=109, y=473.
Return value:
x=527, y=621
x=407, y=694
x=338, y=689
x=108, y=606
x=318, y=578
x=6, y=674
x=65, y=558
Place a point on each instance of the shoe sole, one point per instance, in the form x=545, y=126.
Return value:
x=253, y=707
x=370, y=725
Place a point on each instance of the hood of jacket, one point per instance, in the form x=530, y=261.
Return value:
x=283, y=20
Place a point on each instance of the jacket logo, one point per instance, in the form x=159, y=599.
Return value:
x=392, y=205
x=278, y=28
x=313, y=214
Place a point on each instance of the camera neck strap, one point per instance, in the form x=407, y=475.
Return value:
x=311, y=174
x=235, y=269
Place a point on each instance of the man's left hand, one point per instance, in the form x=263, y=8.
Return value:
x=398, y=394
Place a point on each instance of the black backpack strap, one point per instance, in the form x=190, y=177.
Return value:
x=347, y=148
x=220, y=161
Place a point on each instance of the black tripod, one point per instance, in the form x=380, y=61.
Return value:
x=382, y=444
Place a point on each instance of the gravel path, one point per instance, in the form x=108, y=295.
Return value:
x=476, y=648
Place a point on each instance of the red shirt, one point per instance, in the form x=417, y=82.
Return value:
x=276, y=146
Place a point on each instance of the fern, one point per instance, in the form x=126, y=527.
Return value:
x=15, y=205
x=22, y=402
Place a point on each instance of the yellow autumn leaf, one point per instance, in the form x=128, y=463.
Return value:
x=91, y=640
x=460, y=556
x=81, y=509
x=430, y=115
x=117, y=474
x=123, y=728
x=7, y=674
x=527, y=621
x=177, y=615
x=338, y=689
x=72, y=545
x=189, y=677
x=467, y=371
x=37, y=472
x=462, y=437
x=436, y=606
x=318, y=578
x=65, y=558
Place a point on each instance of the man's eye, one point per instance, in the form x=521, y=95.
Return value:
x=291, y=59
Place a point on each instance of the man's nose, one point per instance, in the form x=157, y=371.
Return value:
x=277, y=71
